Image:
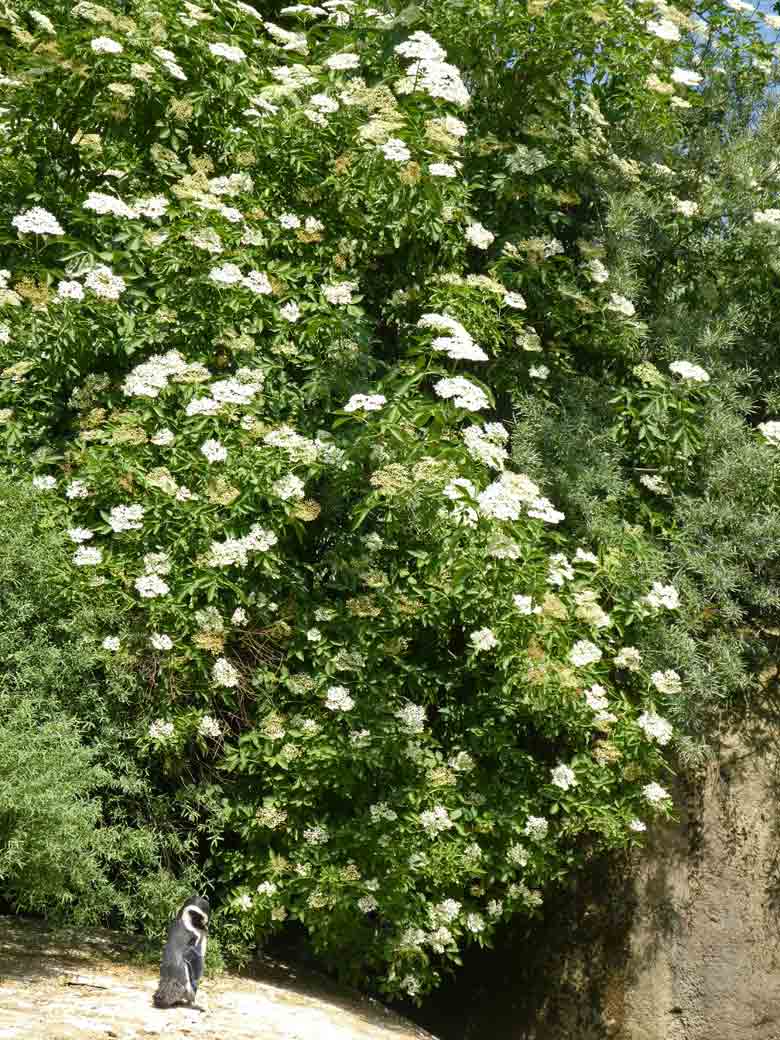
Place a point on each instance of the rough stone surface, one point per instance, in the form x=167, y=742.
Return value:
x=680, y=943
x=68, y=985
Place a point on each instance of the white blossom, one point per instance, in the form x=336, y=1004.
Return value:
x=213, y=451
x=365, y=403
x=479, y=236
x=536, y=828
x=597, y=271
x=584, y=653
x=637, y=825
x=80, y=534
x=342, y=61
x=442, y=169
x=464, y=394
x=563, y=776
x=515, y=301
x=288, y=487
x=685, y=370
x=539, y=372
x=337, y=698
x=668, y=682
x=655, y=727
x=104, y=283
x=525, y=605
x=395, y=150
x=160, y=641
x=661, y=595
x=483, y=639
x=224, y=674
x=126, y=518
x=44, y=483
x=37, y=221
x=70, y=290
x=771, y=431
x=339, y=294
x=435, y=820
x=87, y=556
x=150, y=586
x=629, y=658
x=654, y=793
x=76, y=489
x=421, y=45
x=112, y=643
x=621, y=304
x=105, y=45
x=224, y=50
x=664, y=29
x=160, y=730
x=687, y=77
x=290, y=312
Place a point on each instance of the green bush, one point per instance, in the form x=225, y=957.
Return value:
x=367, y=392
x=83, y=831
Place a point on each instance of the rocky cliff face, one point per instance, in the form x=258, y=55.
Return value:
x=680, y=943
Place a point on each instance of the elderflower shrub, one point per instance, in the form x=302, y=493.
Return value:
x=266, y=353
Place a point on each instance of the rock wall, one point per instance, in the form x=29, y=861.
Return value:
x=681, y=942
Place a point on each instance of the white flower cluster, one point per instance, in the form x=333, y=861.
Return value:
x=629, y=658
x=589, y=610
x=483, y=639
x=655, y=727
x=686, y=370
x=337, y=698
x=104, y=283
x=536, y=828
x=661, y=595
x=654, y=793
x=429, y=73
x=126, y=518
x=231, y=274
x=668, y=682
x=235, y=551
x=412, y=717
x=160, y=730
x=37, y=221
x=771, y=431
x=288, y=487
x=395, y=150
x=514, y=494
x=655, y=484
x=223, y=673
x=621, y=305
x=87, y=556
x=560, y=570
x=226, y=51
x=458, y=344
x=152, y=376
x=525, y=605
x=435, y=820
x=340, y=293
x=771, y=217
x=485, y=444
x=563, y=776
x=596, y=699
x=463, y=393
x=382, y=811
x=365, y=403
x=584, y=653
x=479, y=236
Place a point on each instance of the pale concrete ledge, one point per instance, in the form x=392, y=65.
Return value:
x=64, y=984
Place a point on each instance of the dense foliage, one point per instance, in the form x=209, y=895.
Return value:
x=389, y=374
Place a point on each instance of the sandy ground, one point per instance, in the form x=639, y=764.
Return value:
x=75, y=985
